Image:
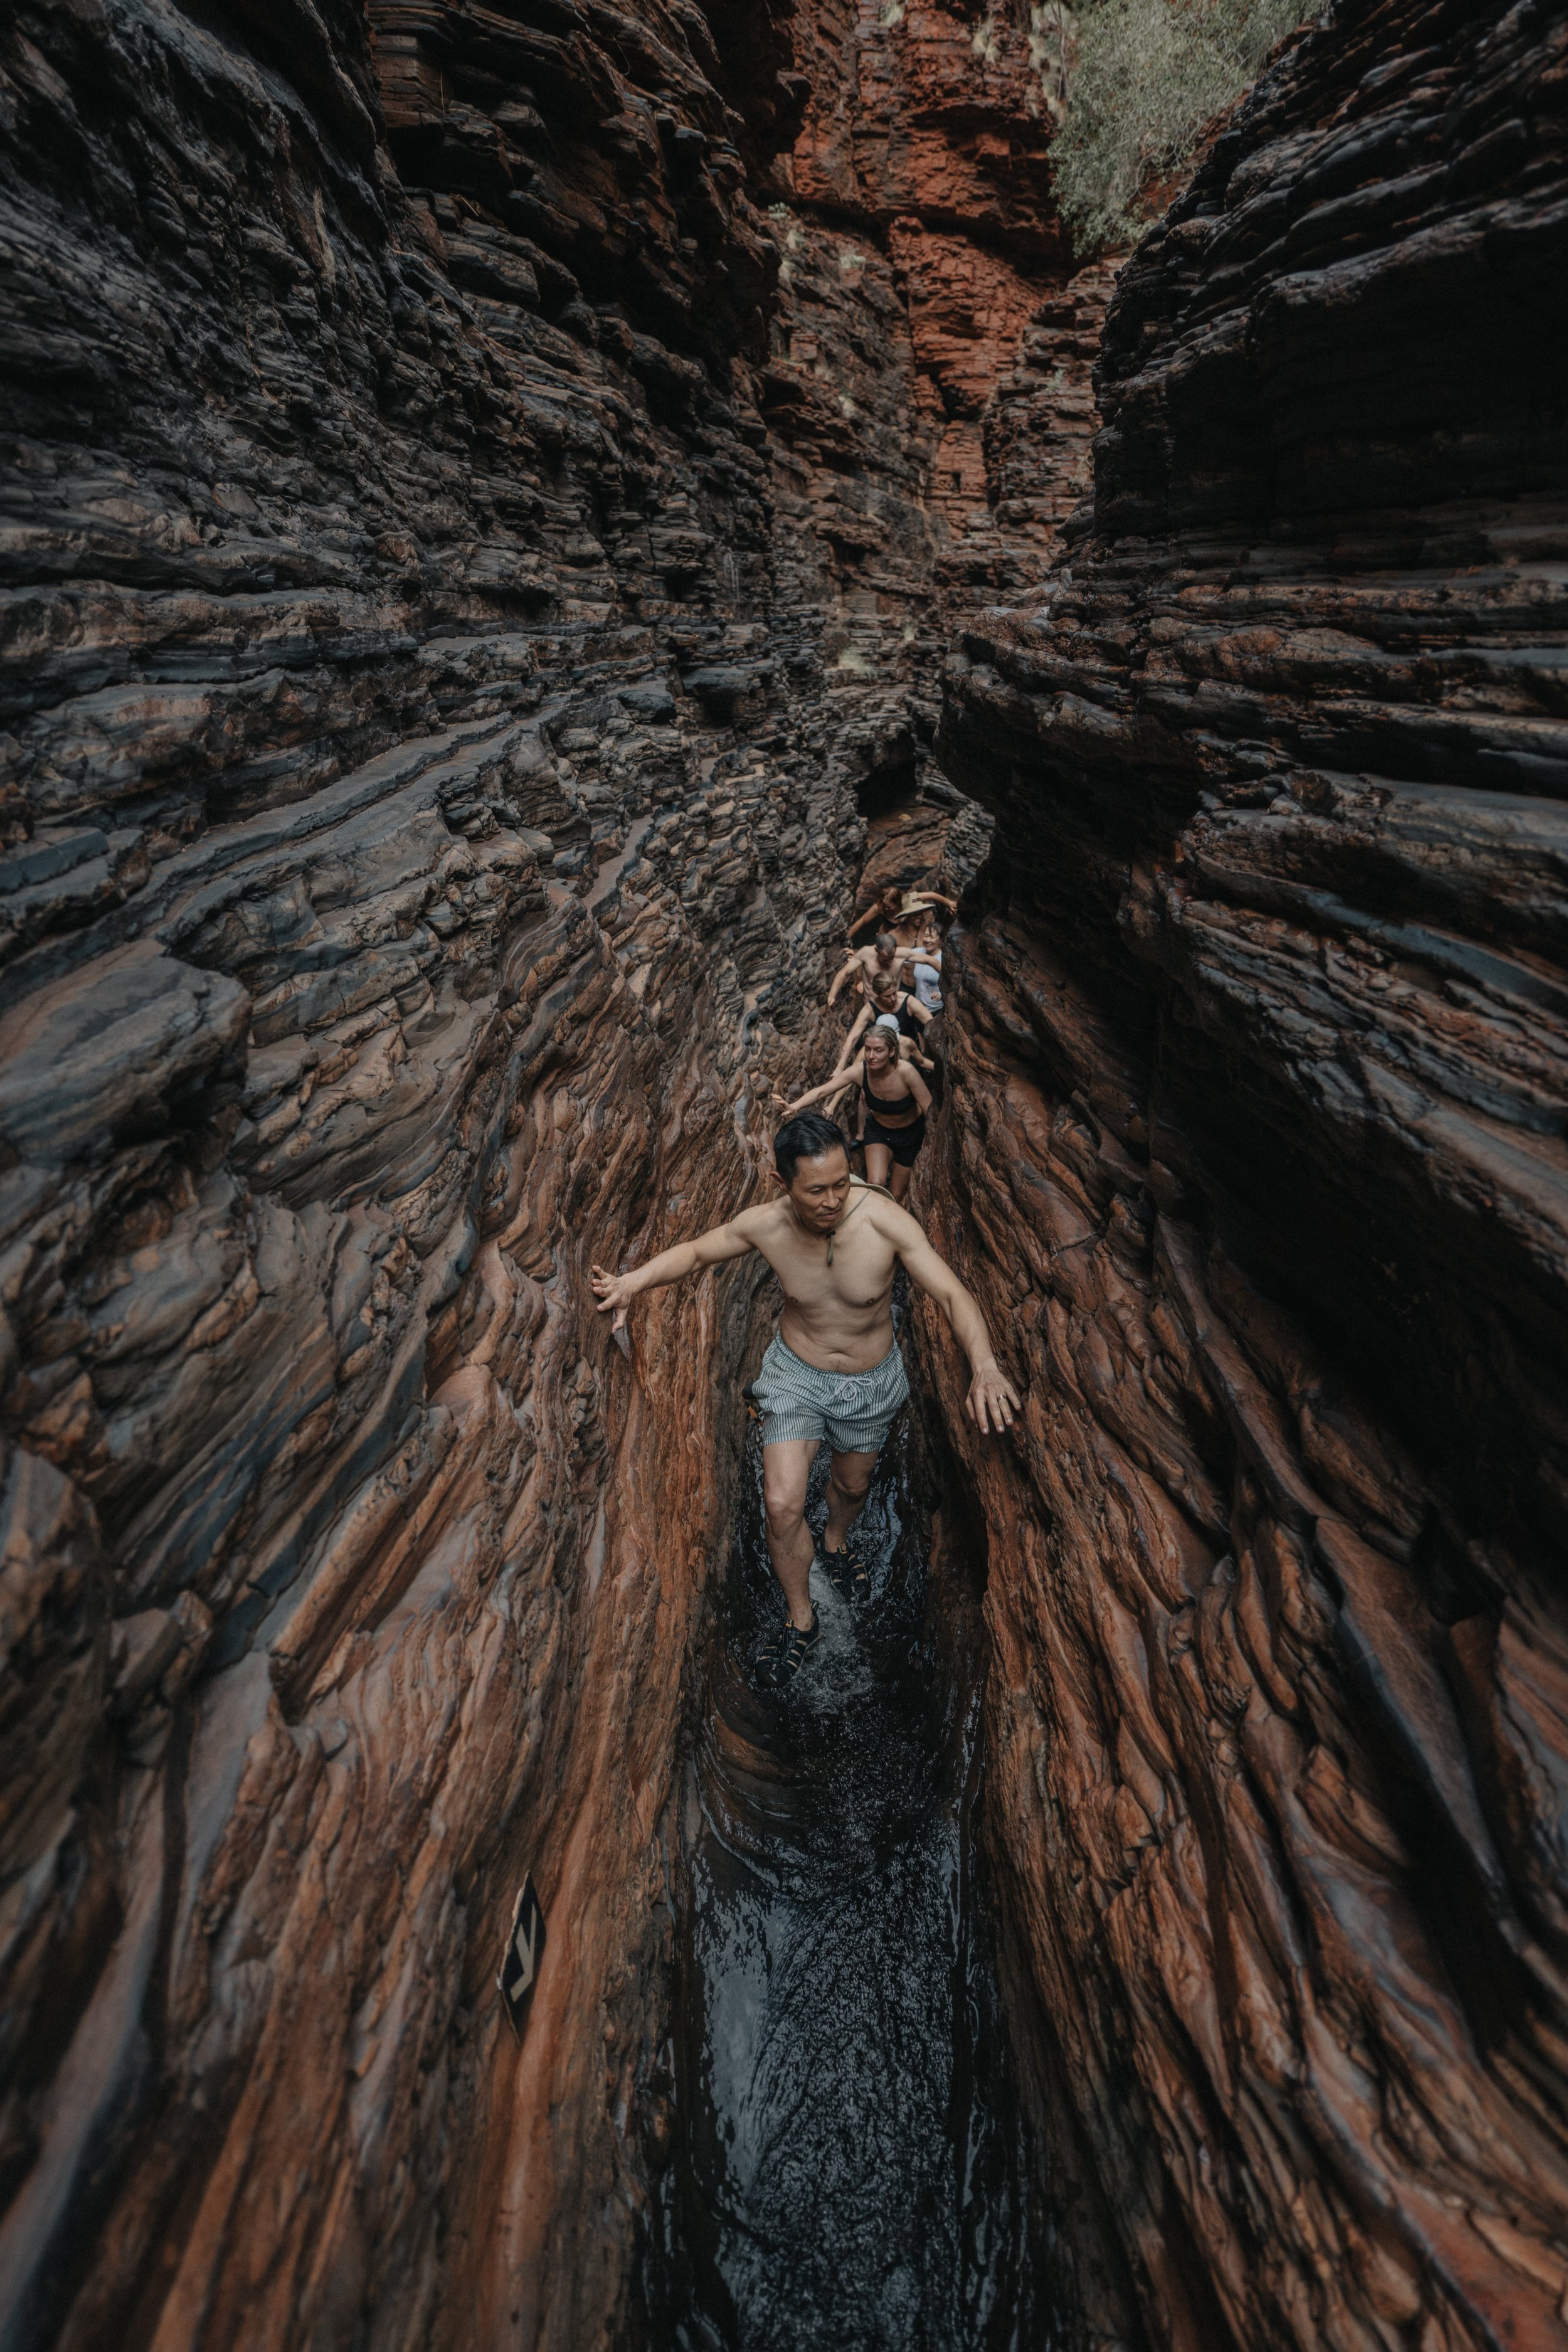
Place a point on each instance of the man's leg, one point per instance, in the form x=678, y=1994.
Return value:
x=786, y=1468
x=847, y=1484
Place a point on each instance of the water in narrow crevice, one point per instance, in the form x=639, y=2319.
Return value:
x=848, y=2168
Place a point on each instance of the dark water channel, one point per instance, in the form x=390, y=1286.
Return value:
x=850, y=2168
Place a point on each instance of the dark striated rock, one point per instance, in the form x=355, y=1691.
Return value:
x=653, y=701
x=484, y=494
x=452, y=634
x=382, y=943
x=1255, y=1146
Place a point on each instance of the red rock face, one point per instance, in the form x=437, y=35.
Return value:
x=927, y=130
x=486, y=502
x=436, y=702
x=1249, y=1153
x=398, y=920
x=929, y=112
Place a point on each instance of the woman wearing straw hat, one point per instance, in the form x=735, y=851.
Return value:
x=903, y=912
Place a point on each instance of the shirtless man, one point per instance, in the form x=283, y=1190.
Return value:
x=833, y=1370
x=903, y=914
x=879, y=961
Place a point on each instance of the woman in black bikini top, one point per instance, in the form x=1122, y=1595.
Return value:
x=910, y=1024
x=895, y=1122
x=889, y=1110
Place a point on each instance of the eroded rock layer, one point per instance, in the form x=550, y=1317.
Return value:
x=483, y=494
x=1255, y=1150
x=428, y=803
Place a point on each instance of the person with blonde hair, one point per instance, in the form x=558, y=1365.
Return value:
x=888, y=1007
x=896, y=1101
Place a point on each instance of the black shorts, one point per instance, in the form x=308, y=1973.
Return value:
x=903, y=1142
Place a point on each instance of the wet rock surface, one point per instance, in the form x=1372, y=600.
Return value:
x=849, y=2167
x=429, y=815
x=483, y=497
x=1254, y=1150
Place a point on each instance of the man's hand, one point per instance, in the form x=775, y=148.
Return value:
x=992, y=1400
x=611, y=1297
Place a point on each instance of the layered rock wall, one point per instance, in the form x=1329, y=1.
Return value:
x=421, y=839
x=1256, y=1152
x=455, y=615
x=483, y=496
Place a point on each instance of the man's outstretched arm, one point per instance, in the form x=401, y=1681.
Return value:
x=858, y=1028
x=614, y=1292
x=992, y=1400
x=850, y=969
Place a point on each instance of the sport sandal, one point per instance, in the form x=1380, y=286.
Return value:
x=850, y=1573
x=781, y=1659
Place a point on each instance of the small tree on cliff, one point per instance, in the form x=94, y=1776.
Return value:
x=1147, y=78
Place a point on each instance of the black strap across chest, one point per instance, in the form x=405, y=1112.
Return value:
x=904, y=1105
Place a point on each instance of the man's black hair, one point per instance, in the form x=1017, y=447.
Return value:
x=806, y=1137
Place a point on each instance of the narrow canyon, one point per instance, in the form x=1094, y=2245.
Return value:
x=516, y=519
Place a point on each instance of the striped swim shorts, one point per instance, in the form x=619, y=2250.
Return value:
x=851, y=1409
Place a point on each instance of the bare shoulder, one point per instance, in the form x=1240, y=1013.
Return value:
x=760, y=1221
x=896, y=1225
x=908, y=1236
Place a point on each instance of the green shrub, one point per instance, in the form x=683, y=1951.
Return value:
x=1149, y=75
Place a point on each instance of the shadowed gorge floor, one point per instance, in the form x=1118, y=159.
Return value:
x=513, y=522
x=848, y=2167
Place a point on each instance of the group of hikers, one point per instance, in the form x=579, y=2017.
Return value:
x=834, y=1240
x=898, y=973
